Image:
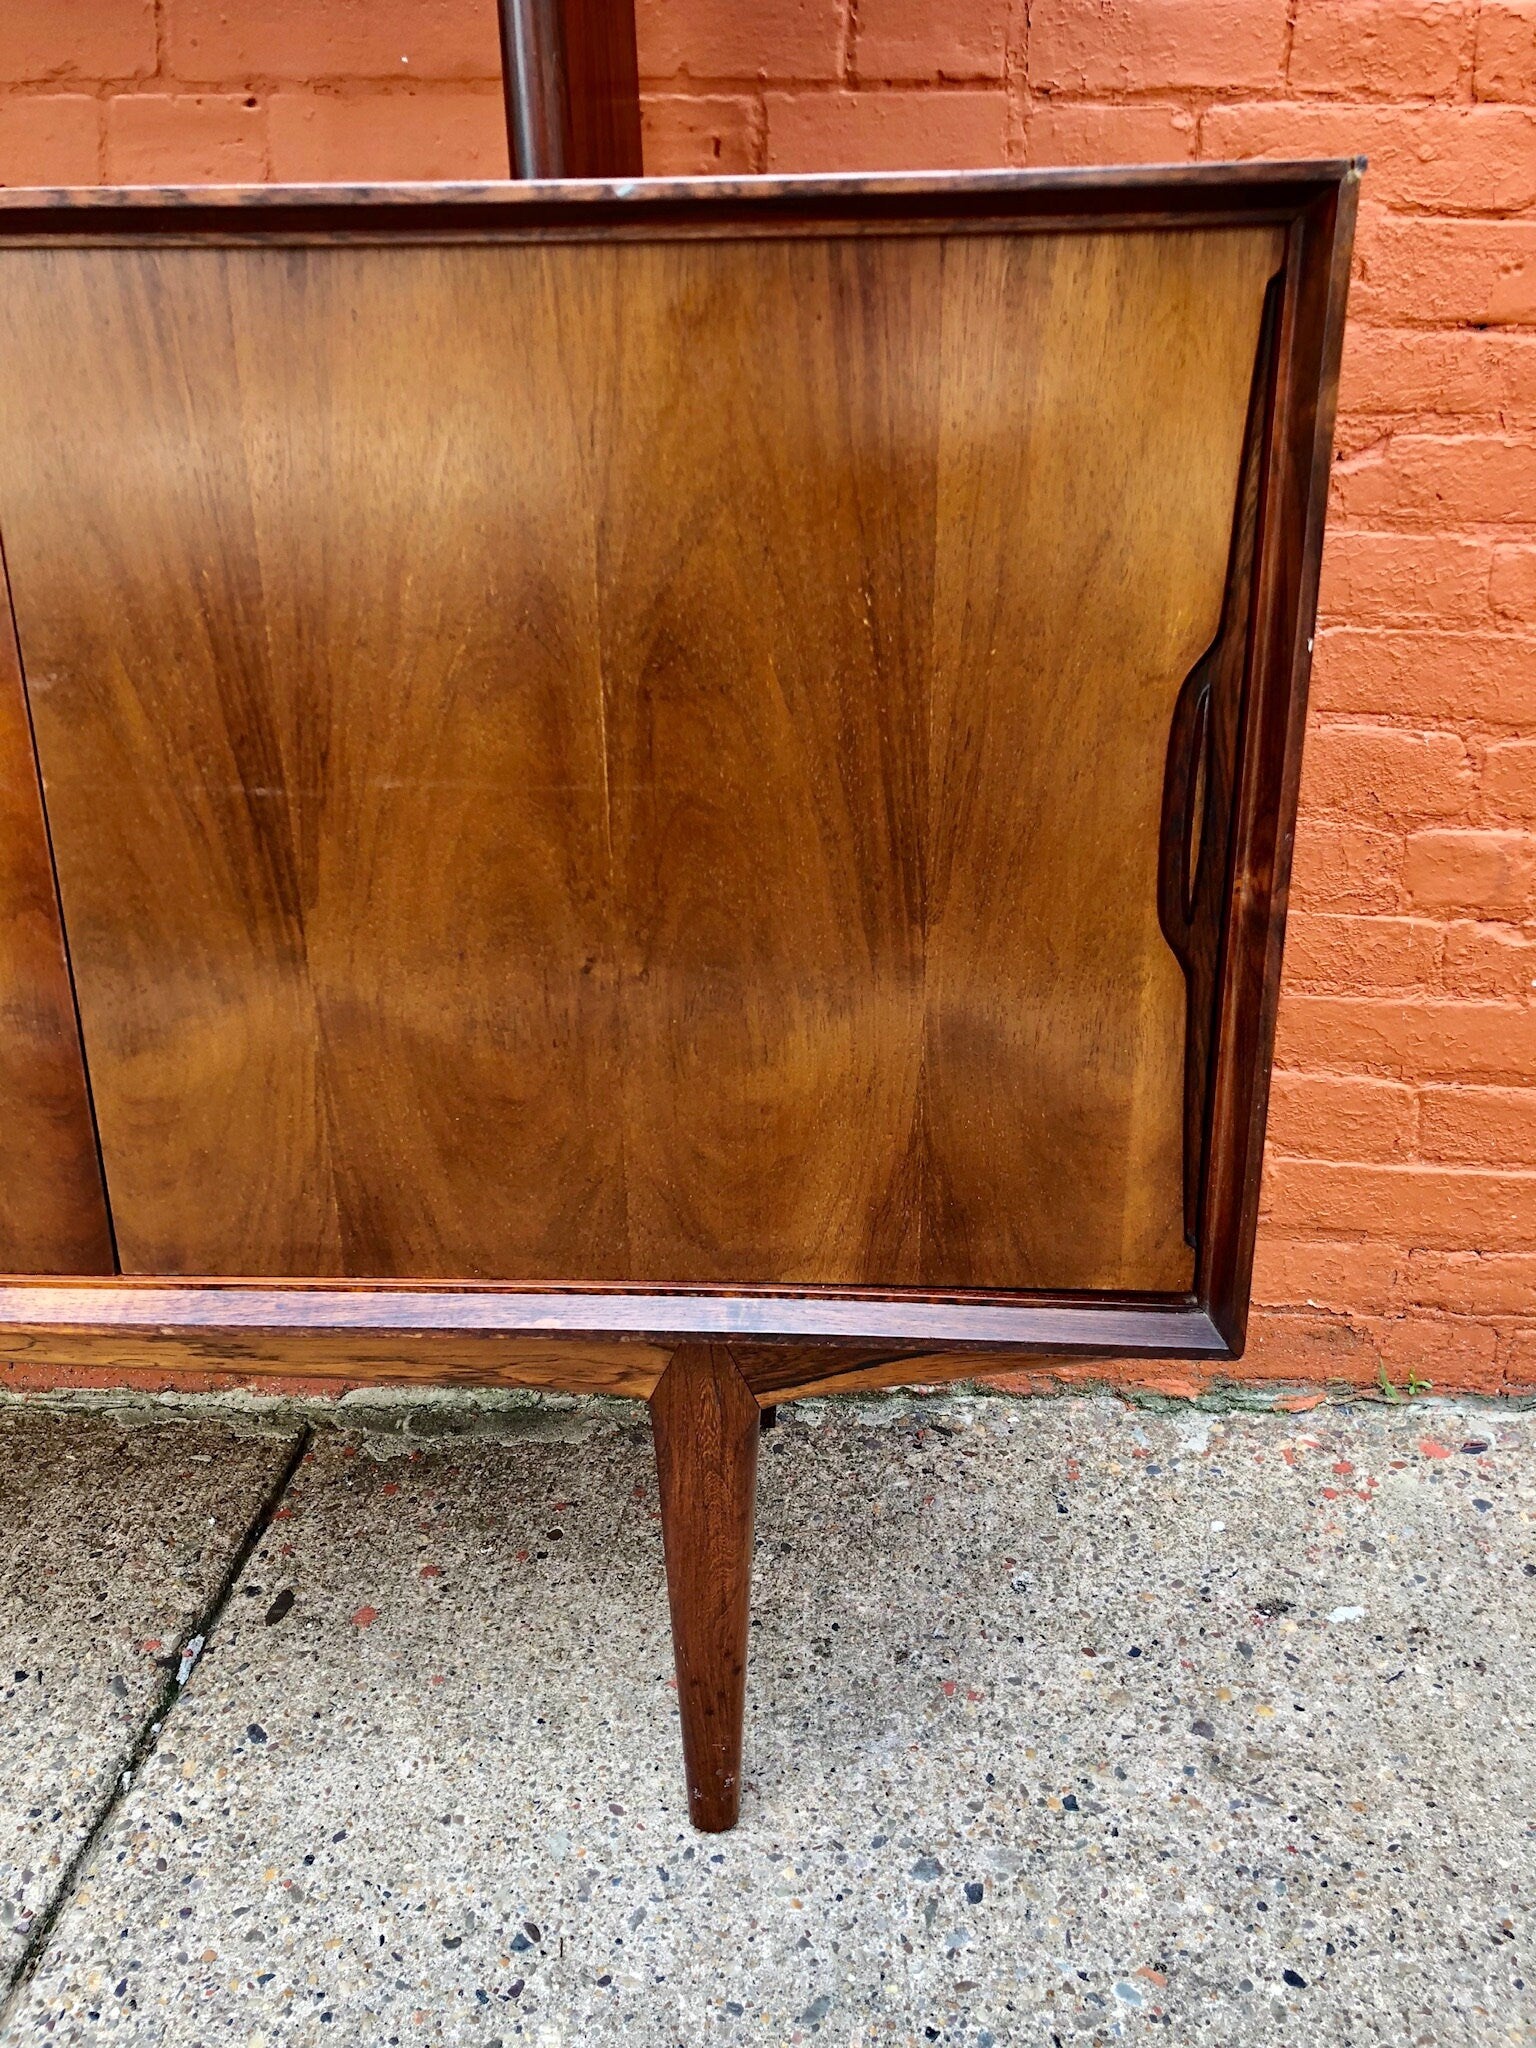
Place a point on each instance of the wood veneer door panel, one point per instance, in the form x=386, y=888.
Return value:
x=1094, y=396
x=304, y=576
x=632, y=761
x=53, y=1212
x=766, y=562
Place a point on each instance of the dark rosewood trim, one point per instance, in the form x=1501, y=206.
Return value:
x=1093, y=1325
x=1269, y=747
x=1202, y=194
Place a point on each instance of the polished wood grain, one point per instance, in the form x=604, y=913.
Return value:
x=53, y=1214
x=419, y=1358
x=680, y=805
x=766, y=623
x=322, y=744
x=1094, y=396
x=572, y=79
x=705, y=1422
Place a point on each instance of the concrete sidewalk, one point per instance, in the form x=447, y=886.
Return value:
x=1068, y=1722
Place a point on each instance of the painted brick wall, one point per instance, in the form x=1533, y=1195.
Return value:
x=1400, y=1227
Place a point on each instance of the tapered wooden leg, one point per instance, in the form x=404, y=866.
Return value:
x=705, y=1423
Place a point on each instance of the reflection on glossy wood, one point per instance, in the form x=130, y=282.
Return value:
x=53, y=1215
x=812, y=1334
x=628, y=761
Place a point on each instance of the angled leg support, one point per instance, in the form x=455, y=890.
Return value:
x=705, y=1422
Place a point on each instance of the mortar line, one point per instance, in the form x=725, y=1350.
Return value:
x=200, y=1630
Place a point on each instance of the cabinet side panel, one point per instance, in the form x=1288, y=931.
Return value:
x=53, y=1212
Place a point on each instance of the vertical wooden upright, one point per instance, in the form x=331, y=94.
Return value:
x=572, y=79
x=705, y=1421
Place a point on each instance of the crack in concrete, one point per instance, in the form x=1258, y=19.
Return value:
x=180, y=1663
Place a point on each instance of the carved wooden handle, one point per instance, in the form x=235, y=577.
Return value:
x=1184, y=793
x=1194, y=842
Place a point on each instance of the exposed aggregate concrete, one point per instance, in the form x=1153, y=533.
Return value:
x=1068, y=1722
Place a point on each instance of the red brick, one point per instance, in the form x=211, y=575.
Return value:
x=1367, y=672
x=1497, y=960
x=913, y=39
x=1409, y=1039
x=1517, y=1362
x=86, y=39
x=1346, y=867
x=1356, y=437
x=1504, y=67
x=49, y=139
x=1326, y=954
x=778, y=39
x=1284, y=1344
x=1490, y=873
x=1442, y=1208
x=1310, y=1273
x=186, y=139
x=1381, y=774
x=1113, y=46
x=1445, y=272
x=227, y=42
x=1470, y=1283
x=318, y=138
x=1512, y=584
x=691, y=135
x=1331, y=1116
x=1400, y=49
x=1403, y=578
x=1440, y=480
x=886, y=131
x=1453, y=1353
x=1478, y=1126
x=1450, y=1353
x=1508, y=778
x=1395, y=371
x=1132, y=132
x=1444, y=159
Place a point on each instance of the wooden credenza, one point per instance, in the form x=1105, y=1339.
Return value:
x=683, y=790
